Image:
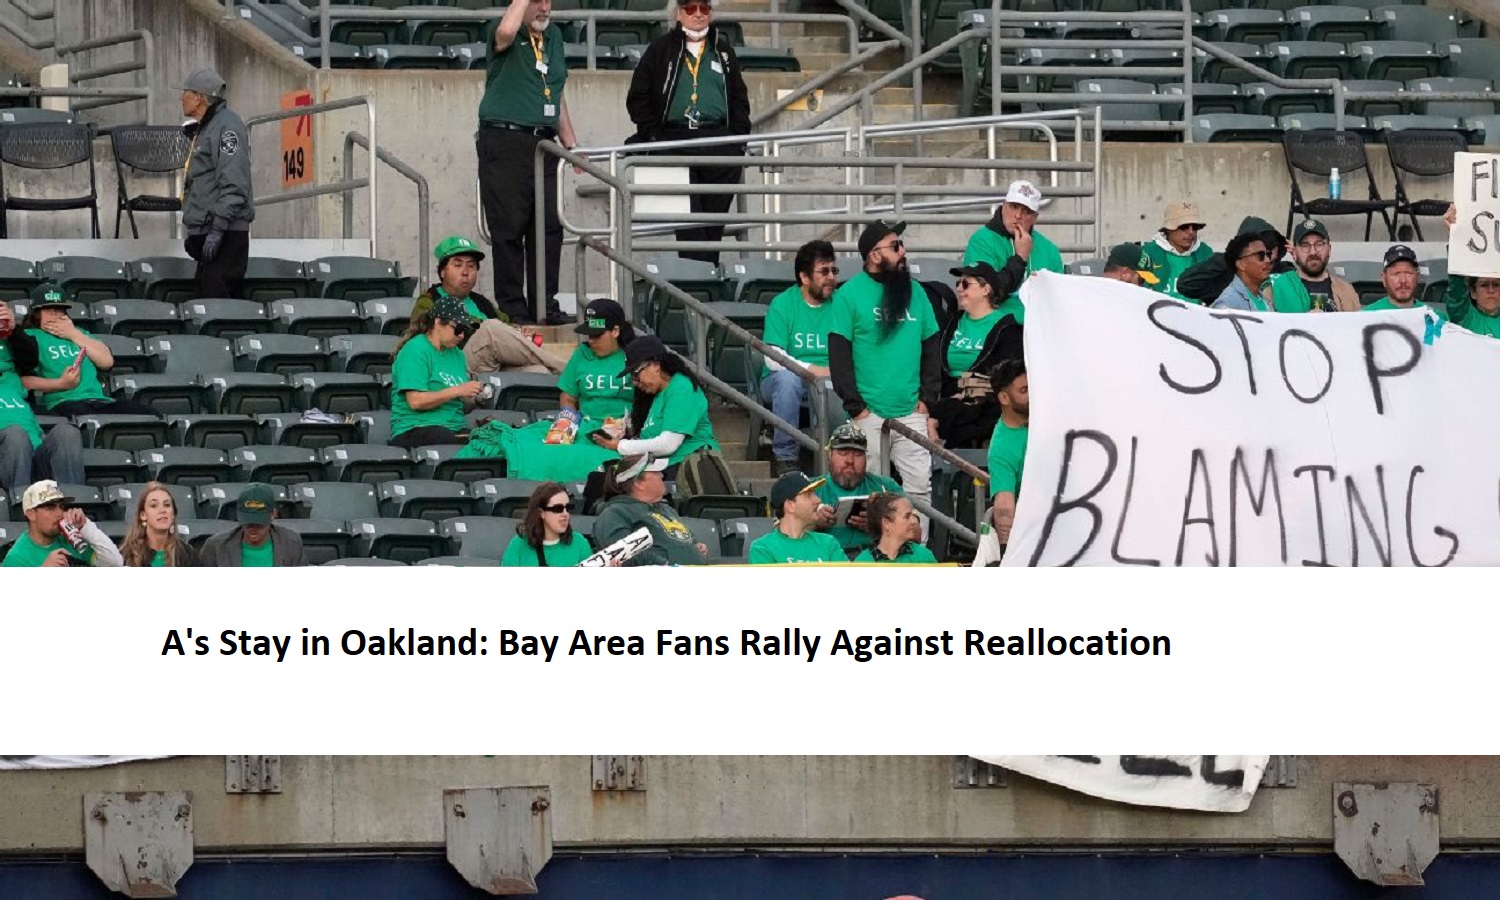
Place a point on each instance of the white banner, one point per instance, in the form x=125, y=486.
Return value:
x=1475, y=245
x=1209, y=783
x=66, y=762
x=1167, y=434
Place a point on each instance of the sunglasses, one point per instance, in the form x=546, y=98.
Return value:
x=1262, y=255
x=557, y=508
x=967, y=283
x=697, y=9
x=639, y=370
x=825, y=270
x=897, y=244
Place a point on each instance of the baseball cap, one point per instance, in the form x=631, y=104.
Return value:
x=1400, y=253
x=455, y=245
x=1179, y=214
x=1026, y=194
x=1131, y=256
x=254, y=507
x=643, y=349
x=452, y=309
x=790, y=486
x=1307, y=227
x=601, y=315
x=42, y=493
x=205, y=81
x=876, y=230
x=634, y=466
x=48, y=294
x=984, y=270
x=848, y=436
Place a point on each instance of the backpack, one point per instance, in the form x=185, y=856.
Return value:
x=705, y=472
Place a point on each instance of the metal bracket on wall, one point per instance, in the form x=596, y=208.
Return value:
x=253, y=774
x=139, y=843
x=1387, y=833
x=619, y=773
x=1281, y=771
x=499, y=838
x=969, y=772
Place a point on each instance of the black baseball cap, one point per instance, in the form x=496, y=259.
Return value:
x=1400, y=253
x=1307, y=227
x=47, y=294
x=790, y=486
x=983, y=270
x=875, y=231
x=1131, y=256
x=644, y=348
x=602, y=315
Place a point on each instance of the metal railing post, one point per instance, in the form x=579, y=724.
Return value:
x=324, y=35
x=1188, y=72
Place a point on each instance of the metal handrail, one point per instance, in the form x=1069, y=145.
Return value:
x=146, y=64
x=355, y=139
x=366, y=100
x=821, y=79
x=979, y=476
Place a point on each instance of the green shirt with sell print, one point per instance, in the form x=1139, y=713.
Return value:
x=798, y=328
x=813, y=547
x=968, y=341
x=421, y=367
x=55, y=355
x=14, y=410
x=597, y=382
x=887, y=367
x=681, y=408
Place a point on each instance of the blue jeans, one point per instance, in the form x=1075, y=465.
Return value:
x=60, y=457
x=784, y=391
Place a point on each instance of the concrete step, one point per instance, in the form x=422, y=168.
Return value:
x=887, y=113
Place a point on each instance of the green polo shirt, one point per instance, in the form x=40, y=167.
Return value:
x=515, y=88
x=1007, y=458
x=887, y=367
x=798, y=328
x=56, y=354
x=421, y=367
x=709, y=85
x=597, y=382
x=813, y=547
x=681, y=408
x=14, y=410
x=968, y=341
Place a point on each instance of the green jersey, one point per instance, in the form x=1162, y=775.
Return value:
x=681, y=408
x=798, y=328
x=27, y=554
x=911, y=552
x=516, y=91
x=256, y=557
x=887, y=367
x=420, y=367
x=830, y=493
x=1167, y=265
x=1460, y=310
x=988, y=245
x=55, y=355
x=1007, y=457
x=14, y=410
x=558, y=555
x=1384, y=304
x=597, y=382
x=968, y=341
x=812, y=547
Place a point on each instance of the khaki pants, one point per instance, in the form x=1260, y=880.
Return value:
x=497, y=347
x=913, y=462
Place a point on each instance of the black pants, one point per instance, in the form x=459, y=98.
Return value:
x=706, y=203
x=224, y=275
x=505, y=164
x=102, y=407
x=423, y=437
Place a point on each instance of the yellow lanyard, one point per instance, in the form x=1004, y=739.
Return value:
x=537, y=44
x=694, y=66
x=183, y=186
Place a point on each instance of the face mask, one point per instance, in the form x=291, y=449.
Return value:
x=696, y=35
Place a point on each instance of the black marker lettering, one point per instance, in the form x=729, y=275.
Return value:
x=1198, y=469
x=1235, y=319
x=1120, y=526
x=1283, y=364
x=1353, y=506
x=1060, y=506
x=1369, y=352
x=1408, y=527
x=1162, y=369
x=1319, y=510
x=1258, y=501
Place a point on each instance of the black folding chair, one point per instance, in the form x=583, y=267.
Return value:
x=151, y=149
x=48, y=146
x=1427, y=154
x=1314, y=154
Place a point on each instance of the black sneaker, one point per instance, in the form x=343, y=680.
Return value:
x=786, y=466
x=559, y=317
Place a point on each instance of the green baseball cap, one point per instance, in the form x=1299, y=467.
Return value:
x=254, y=507
x=455, y=245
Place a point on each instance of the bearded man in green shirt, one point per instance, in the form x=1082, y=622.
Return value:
x=798, y=324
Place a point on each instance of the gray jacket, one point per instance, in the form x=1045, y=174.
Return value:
x=224, y=550
x=217, y=186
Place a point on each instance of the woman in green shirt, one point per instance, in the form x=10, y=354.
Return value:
x=69, y=361
x=894, y=525
x=152, y=540
x=977, y=337
x=593, y=382
x=431, y=386
x=545, y=537
x=668, y=402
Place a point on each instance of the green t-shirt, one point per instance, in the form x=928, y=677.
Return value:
x=256, y=557
x=159, y=559
x=598, y=384
x=55, y=355
x=1007, y=457
x=830, y=493
x=1383, y=304
x=888, y=368
x=968, y=341
x=988, y=245
x=812, y=547
x=558, y=555
x=798, y=328
x=27, y=554
x=681, y=408
x=420, y=367
x=1460, y=310
x=515, y=88
x=709, y=85
x=14, y=410
x=912, y=552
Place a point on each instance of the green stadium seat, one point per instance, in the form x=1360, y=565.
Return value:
x=766, y=59
x=340, y=501
x=190, y=354
x=1308, y=121
x=1267, y=100
x=1457, y=109
x=316, y=317
x=374, y=426
x=717, y=507
x=726, y=354
x=122, y=432
x=1395, y=60
x=122, y=498
x=276, y=464
x=386, y=315
x=17, y=278
x=1342, y=24
x=738, y=534
x=1218, y=71
x=269, y=278
x=606, y=56
x=1369, y=108
x=759, y=280
x=424, y=498
x=1472, y=58
x=27, y=115
x=137, y=318
x=479, y=537
x=169, y=278
x=1092, y=267
x=1419, y=23
x=129, y=356
x=502, y=496
x=247, y=393
x=338, y=393
x=1209, y=99
x=438, y=461
x=103, y=468
x=342, y=56
x=87, y=279
x=1131, y=59
x=1309, y=59
x=1230, y=127
x=409, y=56
x=468, y=56
x=363, y=354
x=664, y=315
x=358, y=278
x=447, y=34
x=367, y=463
x=1420, y=123
x=325, y=540
x=367, y=33
x=196, y=531
x=223, y=318
x=459, y=562
x=1121, y=111
x=364, y=562
x=218, y=501
x=401, y=540
x=281, y=354
x=529, y=392
x=167, y=393
x=1483, y=130
x=214, y=431
x=1248, y=26
x=288, y=428
x=1364, y=275
x=189, y=466
x=704, y=531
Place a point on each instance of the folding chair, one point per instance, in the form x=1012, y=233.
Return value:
x=48, y=146
x=1424, y=154
x=152, y=149
x=1313, y=154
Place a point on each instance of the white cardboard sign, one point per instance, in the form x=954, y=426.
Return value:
x=1475, y=242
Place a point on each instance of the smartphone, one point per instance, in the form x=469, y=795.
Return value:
x=600, y=434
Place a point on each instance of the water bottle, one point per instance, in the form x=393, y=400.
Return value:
x=1334, y=183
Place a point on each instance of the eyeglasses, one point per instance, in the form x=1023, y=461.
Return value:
x=697, y=9
x=825, y=270
x=557, y=508
x=639, y=369
x=1189, y=226
x=897, y=244
x=1314, y=246
x=963, y=283
x=1262, y=255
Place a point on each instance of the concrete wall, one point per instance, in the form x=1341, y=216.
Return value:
x=877, y=801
